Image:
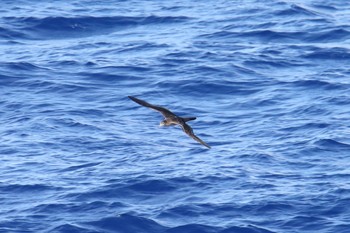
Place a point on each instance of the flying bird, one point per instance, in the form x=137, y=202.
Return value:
x=172, y=119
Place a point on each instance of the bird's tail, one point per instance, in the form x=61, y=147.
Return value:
x=189, y=118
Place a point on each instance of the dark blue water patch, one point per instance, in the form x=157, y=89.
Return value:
x=340, y=227
x=52, y=208
x=126, y=49
x=73, y=124
x=7, y=34
x=22, y=70
x=313, y=84
x=74, y=228
x=126, y=223
x=78, y=167
x=202, y=43
x=329, y=35
x=8, y=150
x=124, y=191
x=258, y=157
x=184, y=54
x=335, y=53
x=328, y=7
x=65, y=27
x=78, y=139
x=18, y=225
x=246, y=229
x=210, y=71
x=183, y=180
x=194, y=228
x=208, y=210
x=50, y=86
x=296, y=10
x=139, y=47
x=77, y=207
x=174, y=60
x=341, y=100
x=339, y=208
x=212, y=88
x=135, y=188
x=152, y=186
x=266, y=35
x=331, y=144
x=18, y=188
x=307, y=126
x=8, y=80
x=235, y=26
x=125, y=68
x=86, y=112
x=116, y=75
x=242, y=70
x=65, y=63
x=310, y=223
x=182, y=211
x=276, y=208
x=265, y=62
x=115, y=78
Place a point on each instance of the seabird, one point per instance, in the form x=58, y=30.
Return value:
x=171, y=119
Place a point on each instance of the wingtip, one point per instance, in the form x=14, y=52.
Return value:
x=132, y=98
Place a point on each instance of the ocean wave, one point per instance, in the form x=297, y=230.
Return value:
x=153, y=186
x=71, y=207
x=335, y=53
x=19, y=188
x=21, y=66
x=194, y=228
x=127, y=191
x=73, y=228
x=308, y=222
x=329, y=35
x=308, y=126
x=332, y=144
x=128, y=223
x=248, y=229
x=71, y=27
x=78, y=167
x=319, y=84
x=266, y=35
x=8, y=80
x=296, y=10
x=212, y=88
x=263, y=62
x=7, y=34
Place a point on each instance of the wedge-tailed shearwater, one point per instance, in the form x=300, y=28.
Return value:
x=171, y=119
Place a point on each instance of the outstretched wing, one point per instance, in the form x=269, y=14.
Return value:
x=188, y=130
x=165, y=112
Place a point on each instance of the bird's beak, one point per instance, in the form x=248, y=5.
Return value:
x=161, y=124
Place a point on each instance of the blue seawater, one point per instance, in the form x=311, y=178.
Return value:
x=269, y=83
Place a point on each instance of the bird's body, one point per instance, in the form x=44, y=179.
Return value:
x=171, y=119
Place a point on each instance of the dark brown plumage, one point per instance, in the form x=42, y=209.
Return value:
x=171, y=119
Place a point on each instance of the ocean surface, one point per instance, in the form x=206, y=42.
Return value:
x=269, y=83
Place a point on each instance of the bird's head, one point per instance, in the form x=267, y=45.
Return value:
x=163, y=123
